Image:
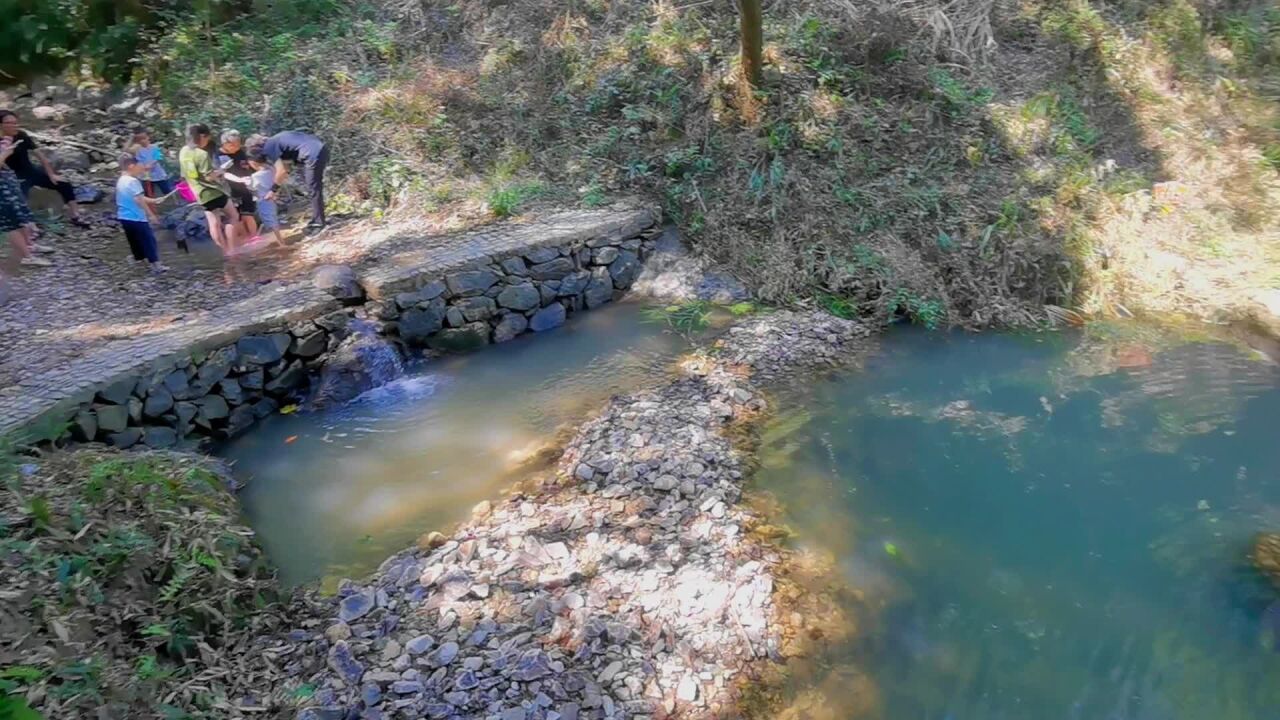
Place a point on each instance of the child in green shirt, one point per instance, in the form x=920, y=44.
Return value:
x=197, y=169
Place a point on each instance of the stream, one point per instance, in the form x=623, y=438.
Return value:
x=1033, y=526
x=1041, y=527
x=334, y=493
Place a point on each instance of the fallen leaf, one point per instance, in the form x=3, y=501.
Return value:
x=290, y=439
x=288, y=409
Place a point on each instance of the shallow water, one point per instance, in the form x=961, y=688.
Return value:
x=337, y=492
x=1042, y=527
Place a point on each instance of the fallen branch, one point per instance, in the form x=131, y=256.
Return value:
x=72, y=143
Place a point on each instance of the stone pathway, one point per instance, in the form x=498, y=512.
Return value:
x=93, y=318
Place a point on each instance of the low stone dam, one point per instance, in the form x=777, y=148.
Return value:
x=213, y=376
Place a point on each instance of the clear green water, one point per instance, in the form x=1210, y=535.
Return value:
x=1049, y=527
x=337, y=492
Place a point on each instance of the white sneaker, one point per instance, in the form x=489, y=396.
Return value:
x=158, y=267
x=36, y=262
x=37, y=247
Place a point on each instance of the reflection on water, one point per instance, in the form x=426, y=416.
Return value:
x=339, y=491
x=1045, y=527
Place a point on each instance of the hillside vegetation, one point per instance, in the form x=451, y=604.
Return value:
x=963, y=163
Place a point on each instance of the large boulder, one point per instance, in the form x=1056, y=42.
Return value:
x=339, y=281
x=361, y=362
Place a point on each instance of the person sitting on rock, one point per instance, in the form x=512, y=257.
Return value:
x=197, y=169
x=15, y=220
x=298, y=148
x=31, y=176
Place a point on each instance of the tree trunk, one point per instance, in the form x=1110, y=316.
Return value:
x=752, y=40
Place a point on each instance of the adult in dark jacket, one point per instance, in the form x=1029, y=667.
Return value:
x=29, y=176
x=302, y=149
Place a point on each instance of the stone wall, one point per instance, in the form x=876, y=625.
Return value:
x=204, y=395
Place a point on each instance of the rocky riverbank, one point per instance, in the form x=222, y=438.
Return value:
x=626, y=582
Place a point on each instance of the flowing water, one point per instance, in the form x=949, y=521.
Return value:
x=338, y=491
x=1042, y=527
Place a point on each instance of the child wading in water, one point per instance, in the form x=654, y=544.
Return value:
x=156, y=178
x=133, y=208
x=262, y=182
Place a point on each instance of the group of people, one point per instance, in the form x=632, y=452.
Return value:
x=235, y=181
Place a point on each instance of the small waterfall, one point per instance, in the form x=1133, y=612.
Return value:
x=363, y=361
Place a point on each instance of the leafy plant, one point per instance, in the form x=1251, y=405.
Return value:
x=506, y=200
x=685, y=318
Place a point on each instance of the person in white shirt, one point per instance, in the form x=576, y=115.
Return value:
x=133, y=210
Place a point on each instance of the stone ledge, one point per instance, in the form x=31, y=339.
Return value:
x=596, y=251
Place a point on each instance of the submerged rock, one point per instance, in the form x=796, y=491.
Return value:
x=1265, y=556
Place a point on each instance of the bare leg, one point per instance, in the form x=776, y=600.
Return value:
x=233, y=225
x=250, y=224
x=73, y=209
x=215, y=229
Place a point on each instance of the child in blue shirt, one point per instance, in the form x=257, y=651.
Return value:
x=155, y=178
x=262, y=182
x=133, y=210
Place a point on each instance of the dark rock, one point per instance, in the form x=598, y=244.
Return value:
x=311, y=345
x=334, y=322
x=84, y=426
x=422, y=295
x=361, y=362
x=343, y=661
x=231, y=390
x=370, y=694
x=126, y=438
x=265, y=407
x=721, y=287
x=454, y=318
x=511, y=325
x=159, y=401
x=475, y=309
x=159, y=437
x=547, y=292
x=600, y=290
x=339, y=281
x=604, y=255
x=186, y=412
x=553, y=270
x=252, y=380
x=471, y=282
x=263, y=349
x=356, y=606
x=118, y=392
x=542, y=255
x=418, y=325
x=177, y=385
x=519, y=297
x=552, y=316
x=514, y=266
x=624, y=269
x=241, y=419
x=212, y=407
x=466, y=680
x=462, y=339
x=112, y=418
x=573, y=284
x=216, y=367
x=293, y=376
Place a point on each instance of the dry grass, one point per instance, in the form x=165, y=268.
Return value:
x=964, y=162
